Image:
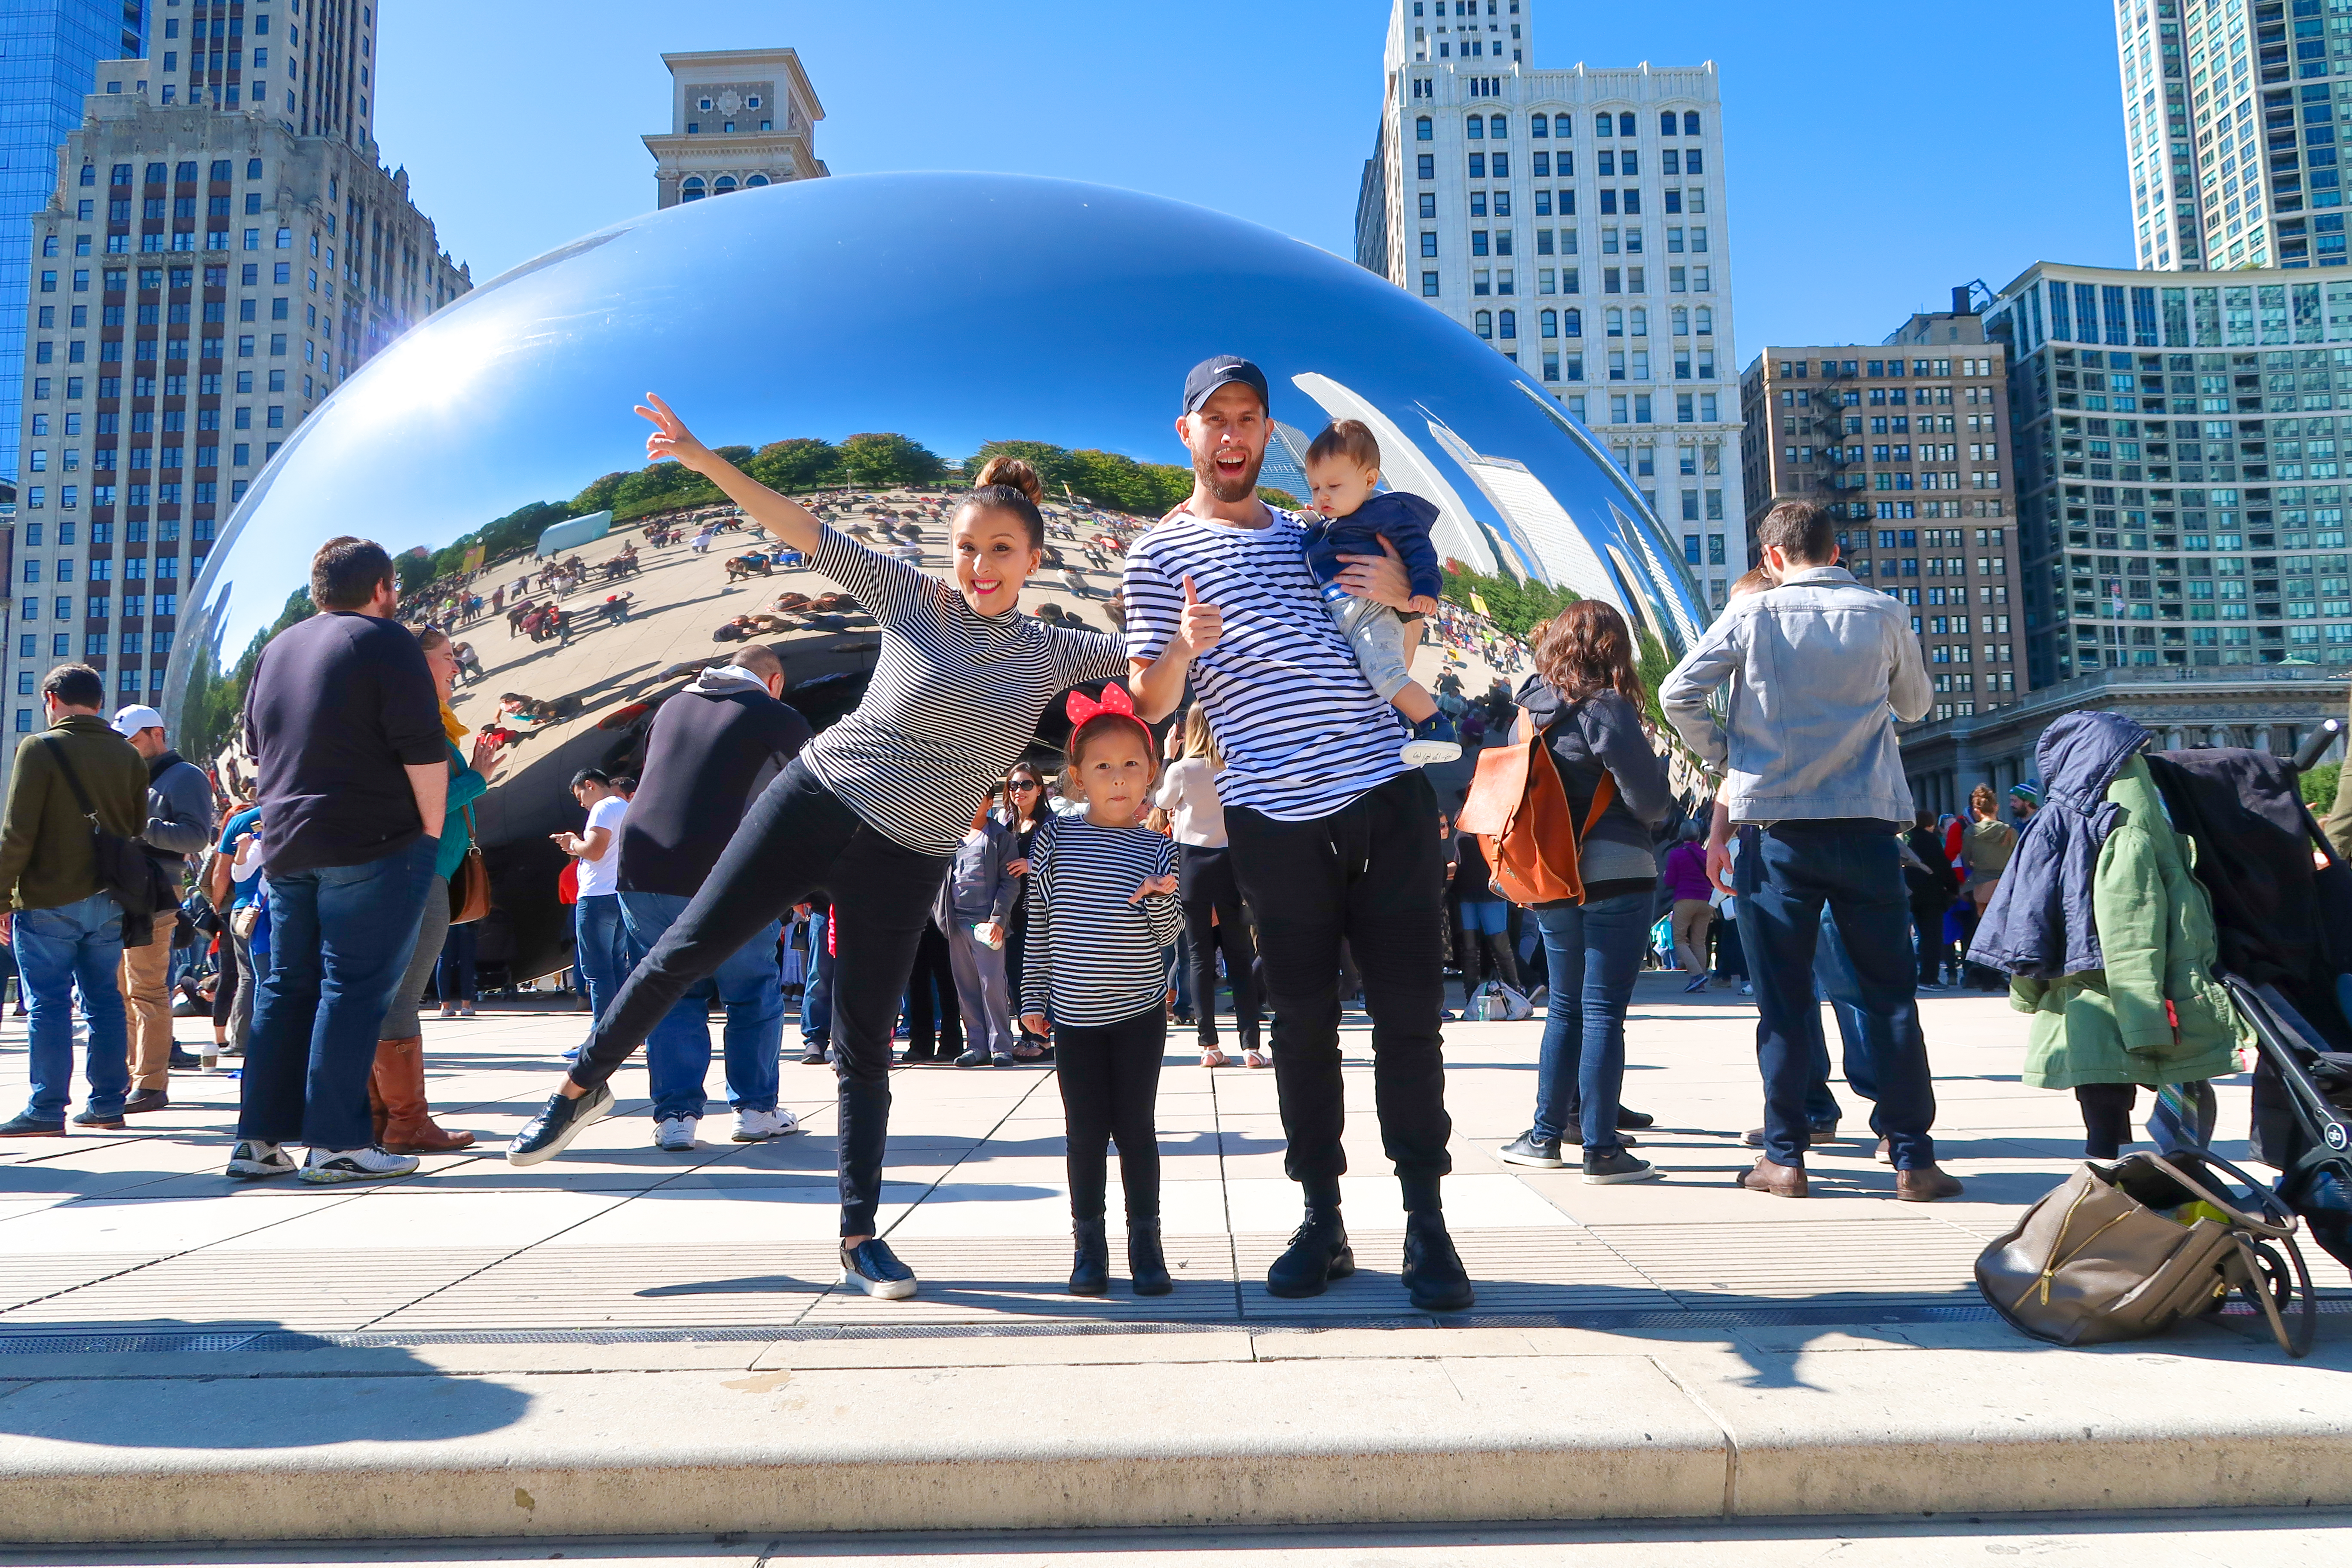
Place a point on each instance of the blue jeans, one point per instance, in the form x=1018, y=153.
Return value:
x=332, y=973
x=57, y=950
x=1834, y=981
x=1486, y=917
x=1793, y=875
x=750, y=984
x=816, y=999
x=454, y=979
x=598, y=949
x=1592, y=951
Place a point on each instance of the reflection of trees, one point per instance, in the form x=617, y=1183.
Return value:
x=1512, y=605
x=215, y=697
x=1105, y=479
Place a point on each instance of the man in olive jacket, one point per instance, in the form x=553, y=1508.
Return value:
x=66, y=929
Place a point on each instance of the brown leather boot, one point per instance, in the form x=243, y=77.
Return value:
x=1924, y=1185
x=399, y=1080
x=1780, y=1181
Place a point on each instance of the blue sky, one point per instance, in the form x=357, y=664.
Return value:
x=1877, y=153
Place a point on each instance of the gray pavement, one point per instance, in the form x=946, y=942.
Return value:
x=628, y=1341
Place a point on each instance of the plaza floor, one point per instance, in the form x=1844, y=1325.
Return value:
x=140, y=1233
x=627, y=1341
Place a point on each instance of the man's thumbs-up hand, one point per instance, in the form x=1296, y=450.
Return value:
x=1201, y=625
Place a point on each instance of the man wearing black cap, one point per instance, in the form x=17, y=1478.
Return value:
x=1334, y=837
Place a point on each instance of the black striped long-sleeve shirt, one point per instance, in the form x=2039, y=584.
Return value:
x=1094, y=955
x=955, y=698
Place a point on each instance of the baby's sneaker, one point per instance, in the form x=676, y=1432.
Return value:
x=1432, y=742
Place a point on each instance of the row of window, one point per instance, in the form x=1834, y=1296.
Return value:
x=1541, y=127
x=183, y=173
x=1680, y=241
x=1677, y=203
x=127, y=685
x=692, y=188
x=202, y=492
x=1570, y=280
x=209, y=384
x=102, y=606
x=1544, y=166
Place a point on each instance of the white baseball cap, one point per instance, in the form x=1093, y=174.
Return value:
x=135, y=718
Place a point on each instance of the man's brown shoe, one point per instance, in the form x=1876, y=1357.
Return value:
x=1924, y=1185
x=1780, y=1181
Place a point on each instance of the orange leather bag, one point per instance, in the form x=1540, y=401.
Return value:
x=1519, y=816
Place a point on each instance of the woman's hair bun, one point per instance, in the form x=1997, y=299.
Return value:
x=1013, y=474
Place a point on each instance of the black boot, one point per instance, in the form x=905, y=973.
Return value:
x=1317, y=1254
x=1506, y=963
x=1145, y=1265
x=1434, y=1275
x=1090, y=1267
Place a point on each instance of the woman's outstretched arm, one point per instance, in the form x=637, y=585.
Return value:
x=779, y=515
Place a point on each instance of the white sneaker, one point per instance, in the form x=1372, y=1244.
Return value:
x=675, y=1133
x=758, y=1126
x=327, y=1166
x=253, y=1160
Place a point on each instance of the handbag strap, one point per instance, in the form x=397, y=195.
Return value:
x=73, y=781
x=2266, y=1227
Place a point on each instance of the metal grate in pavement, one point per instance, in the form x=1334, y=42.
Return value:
x=338, y=1291
x=1779, y=1262
x=1514, y=1271
x=634, y=1287
x=28, y=1276
x=967, y=1282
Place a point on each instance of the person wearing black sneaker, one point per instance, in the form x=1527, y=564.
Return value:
x=1586, y=701
x=1334, y=837
x=872, y=808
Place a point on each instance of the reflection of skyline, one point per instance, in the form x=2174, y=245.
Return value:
x=1075, y=310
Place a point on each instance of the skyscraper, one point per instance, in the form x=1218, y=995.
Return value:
x=47, y=53
x=739, y=119
x=2232, y=110
x=1574, y=219
x=205, y=272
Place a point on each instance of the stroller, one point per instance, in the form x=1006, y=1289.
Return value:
x=2283, y=910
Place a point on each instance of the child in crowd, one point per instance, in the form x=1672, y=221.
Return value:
x=1102, y=906
x=1343, y=468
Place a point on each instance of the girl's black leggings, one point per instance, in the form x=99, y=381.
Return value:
x=1110, y=1076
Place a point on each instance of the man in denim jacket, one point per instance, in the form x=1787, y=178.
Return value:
x=1818, y=669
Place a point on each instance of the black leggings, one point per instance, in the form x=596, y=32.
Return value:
x=799, y=837
x=1206, y=888
x=1110, y=1076
x=934, y=1016
x=225, y=988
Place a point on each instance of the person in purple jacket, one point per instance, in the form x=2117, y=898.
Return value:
x=1343, y=466
x=1686, y=883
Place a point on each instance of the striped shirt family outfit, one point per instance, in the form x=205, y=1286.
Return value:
x=1302, y=731
x=955, y=700
x=1333, y=837
x=870, y=811
x=1095, y=954
x=1096, y=963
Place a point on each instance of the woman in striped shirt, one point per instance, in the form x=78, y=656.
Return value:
x=1102, y=907
x=872, y=808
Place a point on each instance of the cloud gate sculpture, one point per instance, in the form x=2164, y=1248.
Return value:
x=869, y=334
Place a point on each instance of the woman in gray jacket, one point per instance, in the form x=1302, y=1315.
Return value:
x=1586, y=701
x=974, y=911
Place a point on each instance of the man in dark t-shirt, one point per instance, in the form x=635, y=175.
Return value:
x=346, y=731
x=713, y=748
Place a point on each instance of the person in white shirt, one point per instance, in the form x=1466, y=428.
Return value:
x=596, y=918
x=1211, y=900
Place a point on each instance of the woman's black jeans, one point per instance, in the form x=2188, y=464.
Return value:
x=799, y=837
x=1206, y=888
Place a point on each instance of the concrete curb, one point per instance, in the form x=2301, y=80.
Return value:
x=1683, y=1432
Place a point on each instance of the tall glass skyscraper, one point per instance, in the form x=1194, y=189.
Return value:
x=48, y=50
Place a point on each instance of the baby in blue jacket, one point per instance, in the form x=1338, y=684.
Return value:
x=1343, y=466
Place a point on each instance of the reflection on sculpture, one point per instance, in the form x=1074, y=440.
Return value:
x=859, y=339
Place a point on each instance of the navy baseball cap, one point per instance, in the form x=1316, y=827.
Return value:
x=1224, y=370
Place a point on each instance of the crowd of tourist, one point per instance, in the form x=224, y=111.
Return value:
x=908, y=864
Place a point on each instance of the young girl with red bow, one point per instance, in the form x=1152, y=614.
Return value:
x=1102, y=907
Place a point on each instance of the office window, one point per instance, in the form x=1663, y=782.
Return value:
x=1428, y=289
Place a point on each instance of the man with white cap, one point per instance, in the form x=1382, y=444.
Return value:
x=179, y=823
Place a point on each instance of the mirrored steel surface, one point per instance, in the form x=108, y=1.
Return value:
x=954, y=310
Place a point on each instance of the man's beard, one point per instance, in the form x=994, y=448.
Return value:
x=1227, y=490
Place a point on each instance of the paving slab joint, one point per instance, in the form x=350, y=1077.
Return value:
x=1730, y=1438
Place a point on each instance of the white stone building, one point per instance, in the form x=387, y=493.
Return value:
x=739, y=118
x=1575, y=220
x=2232, y=117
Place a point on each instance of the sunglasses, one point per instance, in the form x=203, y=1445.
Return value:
x=1024, y=785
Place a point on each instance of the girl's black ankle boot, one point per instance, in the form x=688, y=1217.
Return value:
x=1090, y=1267
x=1146, y=1266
